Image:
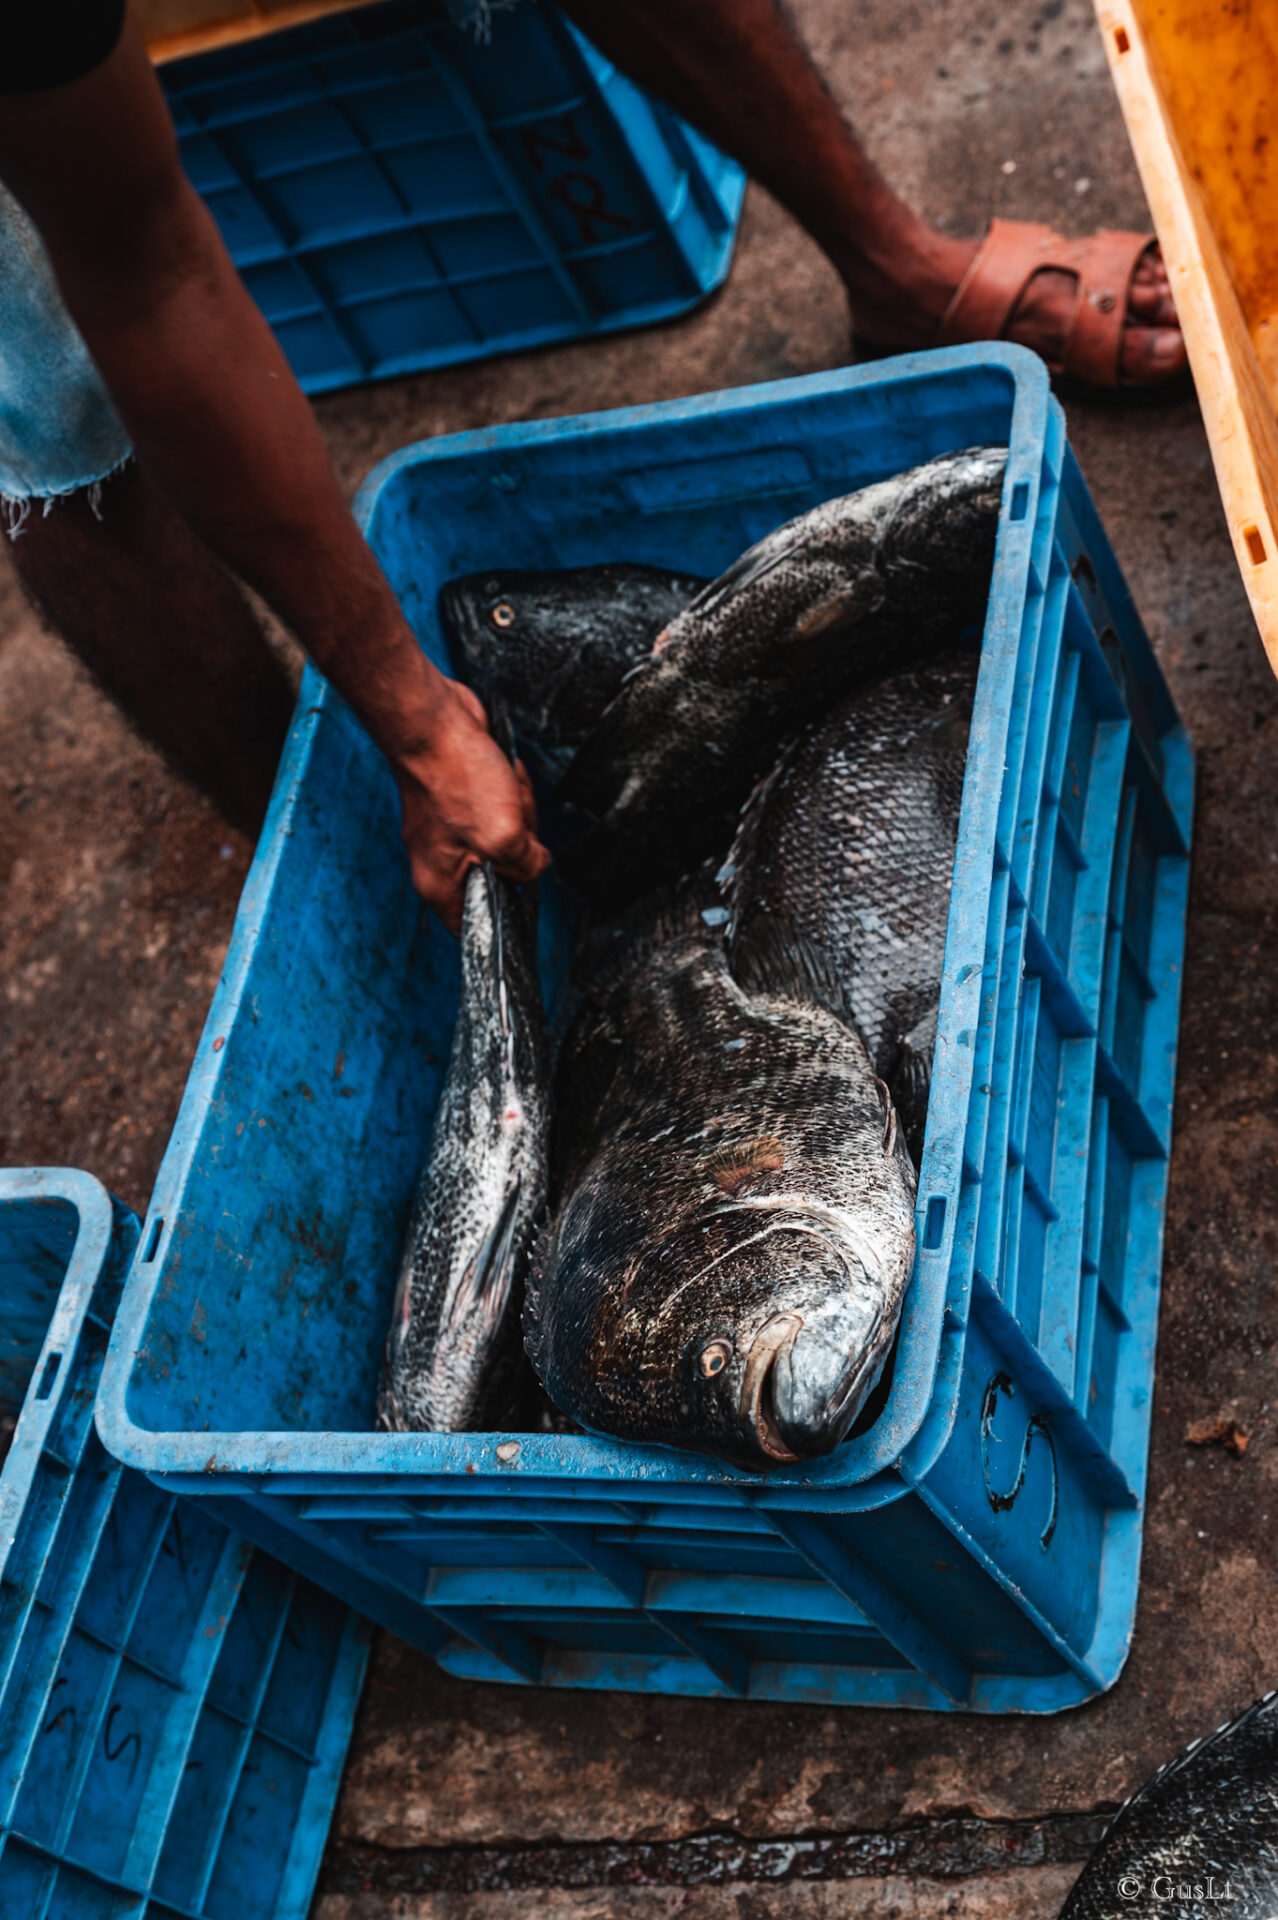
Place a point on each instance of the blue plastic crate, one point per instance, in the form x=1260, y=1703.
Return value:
x=174, y=1705
x=979, y=1545
x=398, y=193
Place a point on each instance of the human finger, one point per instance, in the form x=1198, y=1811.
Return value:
x=526, y=794
x=521, y=858
x=443, y=888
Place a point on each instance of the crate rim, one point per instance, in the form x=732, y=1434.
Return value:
x=276, y=1460
x=1028, y=372
x=95, y=1237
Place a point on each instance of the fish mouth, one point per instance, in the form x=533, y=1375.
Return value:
x=757, y=1405
x=468, y=639
x=822, y=1382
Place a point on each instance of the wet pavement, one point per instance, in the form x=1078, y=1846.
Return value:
x=120, y=887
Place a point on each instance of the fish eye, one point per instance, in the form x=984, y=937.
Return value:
x=714, y=1358
x=503, y=614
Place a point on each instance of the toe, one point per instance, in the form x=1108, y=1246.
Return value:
x=1151, y=266
x=1150, y=304
x=1152, y=355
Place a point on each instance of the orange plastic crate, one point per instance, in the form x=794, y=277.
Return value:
x=174, y=27
x=1198, y=85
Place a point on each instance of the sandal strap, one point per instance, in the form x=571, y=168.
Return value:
x=1009, y=256
x=1012, y=252
x=1105, y=264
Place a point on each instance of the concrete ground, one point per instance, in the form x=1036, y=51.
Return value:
x=465, y=1802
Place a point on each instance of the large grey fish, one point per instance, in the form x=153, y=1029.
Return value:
x=850, y=841
x=734, y=1226
x=859, y=587
x=1200, y=1837
x=453, y=1352
x=557, y=646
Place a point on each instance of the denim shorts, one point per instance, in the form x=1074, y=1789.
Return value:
x=58, y=429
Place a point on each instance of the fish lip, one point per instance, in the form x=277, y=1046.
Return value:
x=463, y=627
x=840, y=1413
x=775, y=1333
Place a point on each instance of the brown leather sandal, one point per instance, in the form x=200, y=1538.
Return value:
x=1012, y=252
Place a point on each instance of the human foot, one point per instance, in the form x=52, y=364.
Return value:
x=1022, y=283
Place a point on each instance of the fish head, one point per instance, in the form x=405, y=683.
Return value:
x=535, y=635
x=482, y=613
x=771, y=1343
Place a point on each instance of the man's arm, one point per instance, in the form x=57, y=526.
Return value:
x=216, y=415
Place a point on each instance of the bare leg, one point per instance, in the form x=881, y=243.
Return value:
x=738, y=70
x=165, y=631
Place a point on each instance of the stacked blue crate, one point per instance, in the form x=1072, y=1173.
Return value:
x=174, y=1706
x=400, y=194
x=978, y=1544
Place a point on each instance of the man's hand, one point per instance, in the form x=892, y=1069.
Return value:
x=462, y=802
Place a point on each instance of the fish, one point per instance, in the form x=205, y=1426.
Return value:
x=454, y=1351
x=557, y=646
x=849, y=840
x=859, y=587
x=1201, y=1836
x=732, y=1220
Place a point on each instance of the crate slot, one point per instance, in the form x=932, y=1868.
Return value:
x=881, y=1607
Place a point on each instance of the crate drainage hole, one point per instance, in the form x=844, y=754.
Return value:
x=49, y=1375
x=934, y=1226
x=1120, y=39
x=1255, y=545
x=153, y=1240
x=1020, y=500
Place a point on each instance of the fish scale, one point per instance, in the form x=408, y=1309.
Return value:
x=453, y=1350
x=855, y=589
x=849, y=843
x=733, y=1221
x=1201, y=1836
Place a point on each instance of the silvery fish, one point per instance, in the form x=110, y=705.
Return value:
x=557, y=646
x=857, y=588
x=850, y=841
x=453, y=1353
x=1200, y=1837
x=733, y=1226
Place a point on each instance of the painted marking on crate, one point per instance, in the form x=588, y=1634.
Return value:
x=116, y=1754
x=1003, y=1502
x=582, y=193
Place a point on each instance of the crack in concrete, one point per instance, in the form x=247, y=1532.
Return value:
x=940, y=1850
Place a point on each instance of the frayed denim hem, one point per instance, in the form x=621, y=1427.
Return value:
x=479, y=15
x=15, y=508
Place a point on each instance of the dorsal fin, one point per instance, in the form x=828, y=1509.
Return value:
x=776, y=960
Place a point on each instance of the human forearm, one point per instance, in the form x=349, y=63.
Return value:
x=217, y=418
x=215, y=413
